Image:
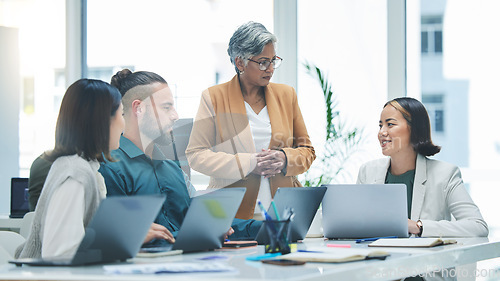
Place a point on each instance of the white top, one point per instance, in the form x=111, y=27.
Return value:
x=260, y=125
x=64, y=228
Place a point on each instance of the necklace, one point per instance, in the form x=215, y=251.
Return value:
x=262, y=96
x=259, y=100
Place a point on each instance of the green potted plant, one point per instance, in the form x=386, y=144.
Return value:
x=341, y=143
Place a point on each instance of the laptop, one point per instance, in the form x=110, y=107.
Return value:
x=365, y=210
x=19, y=204
x=207, y=221
x=115, y=233
x=305, y=203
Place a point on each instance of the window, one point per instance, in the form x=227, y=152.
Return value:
x=435, y=107
x=348, y=41
x=41, y=31
x=183, y=41
x=105, y=73
x=459, y=89
x=39, y=43
x=432, y=34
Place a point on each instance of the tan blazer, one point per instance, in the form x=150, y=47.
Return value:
x=438, y=194
x=221, y=143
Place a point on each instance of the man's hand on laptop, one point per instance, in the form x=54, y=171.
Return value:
x=158, y=231
x=229, y=232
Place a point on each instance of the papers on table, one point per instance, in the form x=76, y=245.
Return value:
x=412, y=242
x=167, y=268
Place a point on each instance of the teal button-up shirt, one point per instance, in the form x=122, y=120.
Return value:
x=135, y=173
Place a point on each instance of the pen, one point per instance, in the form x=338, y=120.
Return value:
x=373, y=239
x=288, y=214
x=264, y=213
x=339, y=245
x=267, y=217
x=306, y=251
x=275, y=210
x=263, y=257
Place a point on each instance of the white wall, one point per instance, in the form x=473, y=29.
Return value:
x=9, y=115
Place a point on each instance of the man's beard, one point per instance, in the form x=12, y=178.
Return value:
x=164, y=139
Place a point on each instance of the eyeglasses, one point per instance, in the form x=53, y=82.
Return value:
x=264, y=65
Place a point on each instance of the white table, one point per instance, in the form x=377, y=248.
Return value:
x=401, y=263
x=7, y=223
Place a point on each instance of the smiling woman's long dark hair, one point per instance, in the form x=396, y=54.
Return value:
x=417, y=118
x=84, y=120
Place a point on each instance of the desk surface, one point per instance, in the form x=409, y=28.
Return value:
x=7, y=223
x=402, y=262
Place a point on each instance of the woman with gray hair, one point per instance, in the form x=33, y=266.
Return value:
x=249, y=132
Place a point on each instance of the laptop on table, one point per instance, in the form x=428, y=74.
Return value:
x=115, y=233
x=19, y=204
x=352, y=211
x=207, y=221
x=305, y=203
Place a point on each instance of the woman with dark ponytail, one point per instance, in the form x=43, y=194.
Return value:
x=88, y=128
x=435, y=189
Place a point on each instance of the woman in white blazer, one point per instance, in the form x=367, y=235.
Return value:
x=436, y=192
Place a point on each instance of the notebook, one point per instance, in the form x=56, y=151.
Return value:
x=305, y=203
x=19, y=204
x=323, y=254
x=115, y=233
x=412, y=242
x=207, y=220
x=365, y=210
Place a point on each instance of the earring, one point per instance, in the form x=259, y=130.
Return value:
x=241, y=71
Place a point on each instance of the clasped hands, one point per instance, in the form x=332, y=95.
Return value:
x=269, y=162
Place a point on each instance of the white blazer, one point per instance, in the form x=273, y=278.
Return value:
x=438, y=194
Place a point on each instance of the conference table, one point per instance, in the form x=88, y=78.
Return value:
x=402, y=262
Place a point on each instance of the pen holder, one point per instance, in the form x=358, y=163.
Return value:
x=279, y=234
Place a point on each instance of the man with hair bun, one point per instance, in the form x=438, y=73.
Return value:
x=142, y=168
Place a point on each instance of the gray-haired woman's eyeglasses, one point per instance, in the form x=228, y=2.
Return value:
x=264, y=65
